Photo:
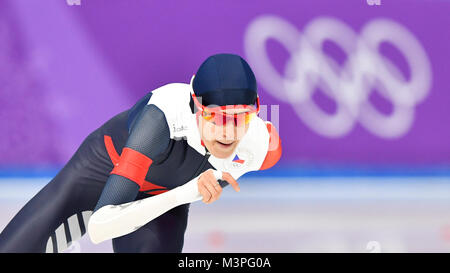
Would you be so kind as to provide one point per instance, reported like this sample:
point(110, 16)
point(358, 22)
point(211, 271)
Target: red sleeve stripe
point(132, 165)
point(150, 186)
point(111, 150)
point(157, 192)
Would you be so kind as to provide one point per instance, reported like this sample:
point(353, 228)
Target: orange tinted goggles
point(218, 117)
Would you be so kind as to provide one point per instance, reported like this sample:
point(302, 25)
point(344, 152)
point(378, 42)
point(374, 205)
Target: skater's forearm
point(117, 220)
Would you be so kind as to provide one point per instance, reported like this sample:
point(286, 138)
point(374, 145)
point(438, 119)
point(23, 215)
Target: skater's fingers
point(204, 192)
point(227, 177)
point(215, 193)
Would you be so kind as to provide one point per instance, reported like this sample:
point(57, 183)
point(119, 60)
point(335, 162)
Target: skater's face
point(222, 138)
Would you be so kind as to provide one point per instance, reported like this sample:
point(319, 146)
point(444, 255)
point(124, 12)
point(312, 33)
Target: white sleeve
point(112, 221)
point(173, 100)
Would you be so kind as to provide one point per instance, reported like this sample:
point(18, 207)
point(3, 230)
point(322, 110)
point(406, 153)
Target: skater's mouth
point(225, 144)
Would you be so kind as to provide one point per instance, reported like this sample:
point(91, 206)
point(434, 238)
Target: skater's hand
point(210, 189)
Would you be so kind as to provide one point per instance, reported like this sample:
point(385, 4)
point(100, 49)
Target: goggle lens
point(223, 118)
point(220, 118)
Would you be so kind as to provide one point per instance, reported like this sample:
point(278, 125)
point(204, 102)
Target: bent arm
point(149, 137)
point(112, 221)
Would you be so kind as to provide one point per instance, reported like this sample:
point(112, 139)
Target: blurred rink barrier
point(358, 90)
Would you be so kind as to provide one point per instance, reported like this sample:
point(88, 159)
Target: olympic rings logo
point(349, 84)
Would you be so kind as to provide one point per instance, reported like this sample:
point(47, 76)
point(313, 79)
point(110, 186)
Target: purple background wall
point(64, 70)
